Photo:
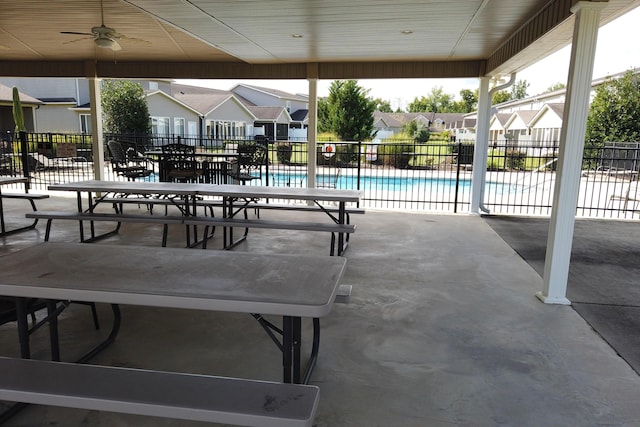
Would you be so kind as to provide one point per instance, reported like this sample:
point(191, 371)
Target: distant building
point(62, 105)
point(534, 122)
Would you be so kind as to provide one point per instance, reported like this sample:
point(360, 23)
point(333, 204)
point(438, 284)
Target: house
point(546, 126)
point(517, 127)
point(262, 96)
point(497, 127)
point(274, 122)
point(539, 127)
point(171, 116)
point(277, 126)
point(388, 124)
point(222, 115)
point(179, 110)
point(29, 106)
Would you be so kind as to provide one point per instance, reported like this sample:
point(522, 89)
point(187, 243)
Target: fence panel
point(402, 175)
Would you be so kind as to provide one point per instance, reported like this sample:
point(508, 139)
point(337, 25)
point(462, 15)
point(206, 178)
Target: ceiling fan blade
point(115, 46)
point(77, 40)
point(76, 33)
point(134, 40)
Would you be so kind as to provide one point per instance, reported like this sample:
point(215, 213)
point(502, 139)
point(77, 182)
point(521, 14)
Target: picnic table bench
point(159, 394)
point(31, 198)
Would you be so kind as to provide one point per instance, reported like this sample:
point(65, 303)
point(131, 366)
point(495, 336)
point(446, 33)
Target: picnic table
point(189, 196)
point(289, 286)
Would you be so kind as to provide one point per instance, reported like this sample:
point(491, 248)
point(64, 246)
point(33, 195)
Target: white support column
point(482, 145)
point(97, 145)
point(565, 197)
point(312, 127)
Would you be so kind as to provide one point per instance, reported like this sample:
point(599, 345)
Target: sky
point(613, 56)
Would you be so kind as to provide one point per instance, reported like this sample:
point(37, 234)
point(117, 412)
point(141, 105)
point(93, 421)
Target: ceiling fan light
point(104, 43)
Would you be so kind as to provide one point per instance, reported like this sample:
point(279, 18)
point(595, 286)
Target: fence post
point(24, 154)
point(359, 164)
point(455, 196)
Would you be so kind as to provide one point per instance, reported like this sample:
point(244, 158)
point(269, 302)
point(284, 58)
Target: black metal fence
point(402, 175)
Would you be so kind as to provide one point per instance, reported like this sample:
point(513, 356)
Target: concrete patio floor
point(443, 329)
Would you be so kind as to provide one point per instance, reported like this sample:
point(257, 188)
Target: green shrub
point(515, 159)
point(464, 152)
point(283, 150)
point(394, 154)
point(346, 153)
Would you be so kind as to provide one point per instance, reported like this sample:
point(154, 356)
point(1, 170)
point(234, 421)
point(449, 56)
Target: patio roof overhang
point(329, 39)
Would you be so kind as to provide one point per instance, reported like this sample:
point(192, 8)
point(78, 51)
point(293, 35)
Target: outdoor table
point(235, 198)
point(220, 159)
point(291, 286)
point(185, 193)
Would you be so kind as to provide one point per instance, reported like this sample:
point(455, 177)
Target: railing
point(399, 175)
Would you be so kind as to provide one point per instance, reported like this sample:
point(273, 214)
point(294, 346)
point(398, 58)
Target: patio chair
point(8, 314)
point(248, 164)
point(286, 180)
point(180, 164)
point(128, 162)
point(629, 195)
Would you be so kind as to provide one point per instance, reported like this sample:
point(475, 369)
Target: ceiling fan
point(103, 36)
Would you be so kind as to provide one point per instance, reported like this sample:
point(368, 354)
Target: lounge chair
point(629, 195)
point(42, 162)
point(328, 180)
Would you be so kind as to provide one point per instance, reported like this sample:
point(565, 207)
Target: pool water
point(380, 183)
point(388, 183)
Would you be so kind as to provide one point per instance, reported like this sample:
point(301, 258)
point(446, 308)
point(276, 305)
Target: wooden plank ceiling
point(284, 38)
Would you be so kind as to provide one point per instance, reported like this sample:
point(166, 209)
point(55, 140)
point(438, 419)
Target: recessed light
point(406, 32)
point(296, 36)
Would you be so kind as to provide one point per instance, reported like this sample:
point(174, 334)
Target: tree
point(555, 86)
point(518, 91)
point(500, 96)
point(418, 131)
point(350, 111)
point(469, 100)
point(18, 114)
point(383, 106)
point(124, 108)
point(436, 102)
point(324, 124)
point(613, 115)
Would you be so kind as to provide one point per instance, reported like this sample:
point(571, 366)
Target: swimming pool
point(387, 183)
point(409, 185)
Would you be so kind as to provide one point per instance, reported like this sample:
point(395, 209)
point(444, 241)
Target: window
point(160, 126)
point(240, 128)
point(193, 129)
point(178, 126)
point(153, 85)
point(85, 123)
point(288, 106)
